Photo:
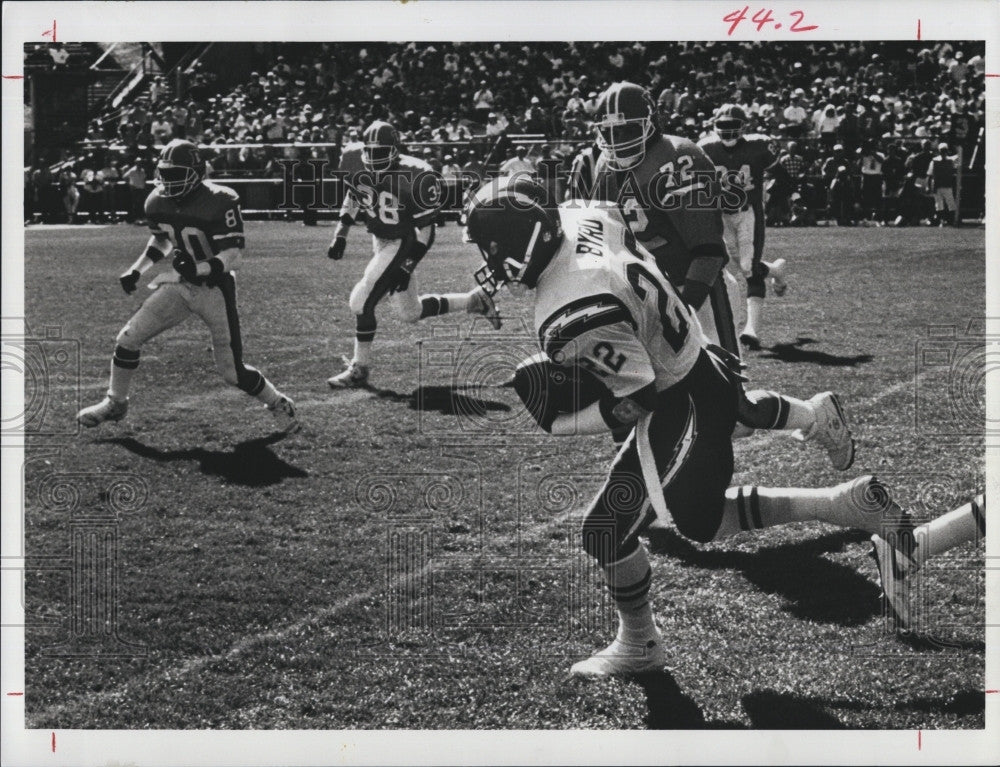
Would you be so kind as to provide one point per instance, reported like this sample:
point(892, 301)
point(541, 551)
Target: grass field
point(410, 558)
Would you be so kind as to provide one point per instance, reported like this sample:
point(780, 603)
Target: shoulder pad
point(218, 190)
point(409, 161)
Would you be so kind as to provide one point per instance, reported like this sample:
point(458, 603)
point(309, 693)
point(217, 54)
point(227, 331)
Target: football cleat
point(895, 570)
point(622, 659)
point(355, 376)
point(831, 430)
point(482, 303)
point(750, 341)
point(284, 414)
point(869, 506)
point(777, 274)
point(107, 409)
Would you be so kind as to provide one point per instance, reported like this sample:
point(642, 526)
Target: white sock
point(755, 306)
point(628, 582)
point(966, 523)
point(749, 507)
point(124, 363)
point(801, 414)
point(269, 395)
point(362, 352)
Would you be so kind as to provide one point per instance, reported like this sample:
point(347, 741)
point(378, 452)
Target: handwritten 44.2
point(765, 16)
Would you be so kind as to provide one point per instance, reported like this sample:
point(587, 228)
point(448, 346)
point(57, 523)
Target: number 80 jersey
point(602, 304)
point(202, 224)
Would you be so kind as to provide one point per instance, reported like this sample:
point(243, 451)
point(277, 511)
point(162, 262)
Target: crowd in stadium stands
point(853, 123)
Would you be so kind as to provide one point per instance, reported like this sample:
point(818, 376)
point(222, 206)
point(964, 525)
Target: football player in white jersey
point(608, 318)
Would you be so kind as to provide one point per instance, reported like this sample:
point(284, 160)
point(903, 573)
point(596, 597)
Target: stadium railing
point(274, 197)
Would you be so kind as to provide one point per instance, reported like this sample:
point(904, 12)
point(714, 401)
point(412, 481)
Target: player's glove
point(129, 281)
point(337, 248)
point(185, 266)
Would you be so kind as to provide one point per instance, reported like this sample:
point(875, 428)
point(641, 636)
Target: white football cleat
point(482, 303)
point(622, 659)
point(831, 430)
point(284, 414)
point(895, 568)
point(107, 409)
point(355, 376)
point(777, 273)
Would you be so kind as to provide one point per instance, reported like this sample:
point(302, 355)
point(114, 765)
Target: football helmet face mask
point(516, 235)
point(180, 169)
point(381, 150)
point(626, 123)
point(729, 122)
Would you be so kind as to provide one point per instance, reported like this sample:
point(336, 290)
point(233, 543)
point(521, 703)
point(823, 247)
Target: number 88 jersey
point(202, 224)
point(602, 304)
point(396, 201)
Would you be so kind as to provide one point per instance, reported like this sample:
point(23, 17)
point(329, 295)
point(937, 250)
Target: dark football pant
point(689, 437)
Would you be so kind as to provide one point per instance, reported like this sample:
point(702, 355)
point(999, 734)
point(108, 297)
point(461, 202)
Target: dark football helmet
point(625, 123)
point(180, 169)
point(729, 122)
point(381, 150)
point(516, 234)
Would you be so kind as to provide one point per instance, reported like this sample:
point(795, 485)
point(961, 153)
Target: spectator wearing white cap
point(495, 124)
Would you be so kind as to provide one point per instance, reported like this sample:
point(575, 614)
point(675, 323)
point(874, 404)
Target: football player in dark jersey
point(608, 319)
point(665, 187)
point(197, 224)
point(399, 197)
point(741, 160)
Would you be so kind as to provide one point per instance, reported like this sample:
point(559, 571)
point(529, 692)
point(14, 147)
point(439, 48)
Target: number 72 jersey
point(602, 304)
point(202, 224)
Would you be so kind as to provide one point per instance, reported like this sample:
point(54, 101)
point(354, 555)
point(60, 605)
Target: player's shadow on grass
point(778, 711)
point(813, 587)
point(447, 400)
point(794, 352)
point(769, 710)
point(251, 463)
point(669, 708)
